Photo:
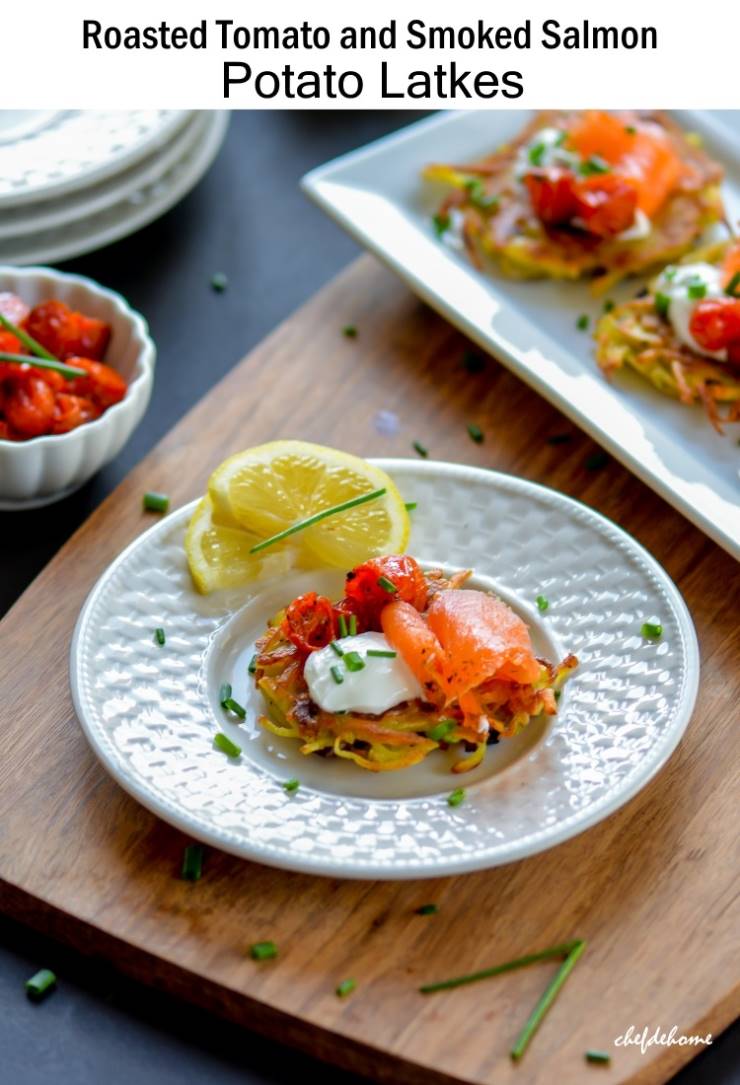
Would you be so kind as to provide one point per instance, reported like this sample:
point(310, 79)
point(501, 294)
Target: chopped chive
point(224, 694)
point(597, 461)
point(219, 282)
point(558, 693)
point(381, 653)
point(441, 730)
point(456, 797)
point(473, 362)
point(156, 502)
point(563, 950)
point(30, 343)
point(478, 195)
point(594, 164)
point(419, 448)
point(536, 153)
point(582, 322)
point(630, 129)
point(343, 626)
point(542, 603)
point(562, 136)
point(349, 331)
point(608, 305)
point(560, 438)
point(441, 224)
point(252, 664)
point(40, 984)
point(68, 371)
point(551, 992)
point(602, 1057)
point(336, 675)
point(428, 909)
point(336, 648)
point(318, 516)
point(410, 506)
point(263, 951)
point(670, 272)
point(662, 304)
point(192, 863)
point(291, 785)
point(475, 433)
point(733, 286)
point(387, 585)
point(697, 290)
point(652, 631)
point(233, 706)
point(159, 636)
point(346, 987)
point(223, 743)
point(353, 625)
point(353, 661)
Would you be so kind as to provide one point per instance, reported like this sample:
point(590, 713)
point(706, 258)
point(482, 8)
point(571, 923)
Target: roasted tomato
point(29, 406)
point(378, 581)
point(71, 412)
point(103, 385)
point(309, 622)
point(10, 343)
point(66, 333)
point(603, 204)
point(715, 323)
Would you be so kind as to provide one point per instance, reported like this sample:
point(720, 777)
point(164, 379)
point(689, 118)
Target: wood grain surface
point(650, 889)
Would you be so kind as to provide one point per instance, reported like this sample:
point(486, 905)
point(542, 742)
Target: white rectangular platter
point(376, 193)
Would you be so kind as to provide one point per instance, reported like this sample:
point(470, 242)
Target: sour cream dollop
point(382, 683)
point(674, 284)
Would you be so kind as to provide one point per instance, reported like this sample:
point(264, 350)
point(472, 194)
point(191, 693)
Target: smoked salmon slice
point(481, 639)
point(639, 154)
point(410, 635)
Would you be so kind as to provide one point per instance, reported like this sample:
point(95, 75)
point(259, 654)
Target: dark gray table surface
point(248, 219)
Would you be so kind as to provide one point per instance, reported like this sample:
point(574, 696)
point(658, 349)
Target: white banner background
point(695, 64)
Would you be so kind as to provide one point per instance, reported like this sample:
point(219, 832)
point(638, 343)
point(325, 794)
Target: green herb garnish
point(428, 909)
point(159, 636)
point(233, 706)
point(478, 195)
point(697, 289)
point(381, 653)
point(40, 984)
point(536, 153)
point(343, 626)
point(353, 661)
point(336, 675)
point(263, 951)
point(542, 603)
point(156, 502)
point(419, 447)
point(594, 164)
point(219, 282)
point(223, 743)
point(291, 785)
point(336, 648)
point(317, 517)
point(475, 433)
point(602, 1057)
point(441, 730)
point(33, 345)
point(192, 863)
point(733, 287)
point(353, 625)
point(582, 322)
point(456, 797)
point(652, 631)
point(387, 585)
point(252, 664)
point(349, 331)
point(441, 224)
point(630, 129)
point(410, 506)
point(346, 987)
point(662, 304)
point(608, 305)
point(224, 693)
point(68, 371)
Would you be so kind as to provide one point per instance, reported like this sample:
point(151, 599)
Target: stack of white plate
point(74, 181)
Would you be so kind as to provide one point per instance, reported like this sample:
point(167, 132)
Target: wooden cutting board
point(650, 889)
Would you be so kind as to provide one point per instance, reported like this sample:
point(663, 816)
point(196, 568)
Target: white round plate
point(151, 712)
point(29, 219)
point(47, 153)
point(137, 210)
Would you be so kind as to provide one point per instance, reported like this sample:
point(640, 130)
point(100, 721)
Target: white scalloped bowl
point(45, 469)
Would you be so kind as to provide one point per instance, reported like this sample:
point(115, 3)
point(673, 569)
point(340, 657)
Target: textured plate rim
point(571, 827)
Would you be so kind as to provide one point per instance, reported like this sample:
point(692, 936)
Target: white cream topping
point(381, 684)
point(674, 284)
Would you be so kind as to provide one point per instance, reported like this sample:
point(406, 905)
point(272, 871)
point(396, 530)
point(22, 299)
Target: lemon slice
point(218, 554)
point(271, 487)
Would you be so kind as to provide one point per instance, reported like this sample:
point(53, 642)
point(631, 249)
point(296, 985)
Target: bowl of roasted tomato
point(76, 375)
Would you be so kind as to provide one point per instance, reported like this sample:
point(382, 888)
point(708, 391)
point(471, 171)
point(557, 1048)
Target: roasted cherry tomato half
point(29, 406)
point(376, 582)
point(715, 323)
point(103, 385)
point(309, 622)
point(66, 333)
